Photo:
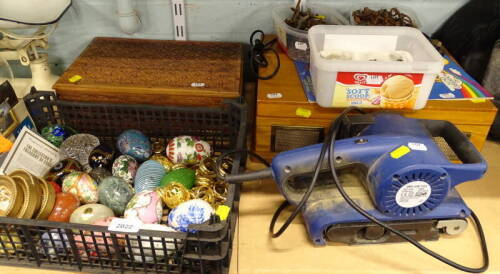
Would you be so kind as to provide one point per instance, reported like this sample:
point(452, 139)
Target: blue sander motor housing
point(404, 173)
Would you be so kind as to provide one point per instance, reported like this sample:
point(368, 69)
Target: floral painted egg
point(87, 214)
point(191, 212)
point(115, 193)
point(157, 244)
point(61, 169)
point(187, 150)
point(79, 147)
point(82, 185)
point(102, 156)
point(146, 207)
point(148, 176)
point(125, 167)
point(134, 143)
point(56, 134)
point(99, 173)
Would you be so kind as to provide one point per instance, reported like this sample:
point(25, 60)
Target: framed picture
point(8, 121)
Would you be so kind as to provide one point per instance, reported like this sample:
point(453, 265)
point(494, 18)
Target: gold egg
point(173, 194)
point(164, 161)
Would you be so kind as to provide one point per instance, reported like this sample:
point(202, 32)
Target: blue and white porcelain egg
point(134, 143)
point(191, 212)
point(148, 176)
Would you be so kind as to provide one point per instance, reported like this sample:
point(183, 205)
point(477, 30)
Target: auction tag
point(300, 45)
point(125, 225)
point(223, 212)
point(417, 146)
point(32, 153)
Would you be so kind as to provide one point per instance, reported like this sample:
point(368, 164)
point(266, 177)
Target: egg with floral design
point(81, 185)
point(187, 150)
point(191, 212)
point(146, 207)
point(125, 167)
point(134, 143)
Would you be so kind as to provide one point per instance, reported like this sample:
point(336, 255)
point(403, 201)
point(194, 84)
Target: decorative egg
point(164, 161)
point(99, 240)
point(53, 244)
point(125, 167)
point(191, 212)
point(99, 173)
point(79, 147)
point(61, 169)
point(115, 193)
point(65, 204)
point(187, 150)
point(102, 156)
point(183, 176)
point(56, 134)
point(134, 143)
point(82, 185)
point(148, 176)
point(157, 244)
point(87, 214)
point(57, 188)
point(145, 207)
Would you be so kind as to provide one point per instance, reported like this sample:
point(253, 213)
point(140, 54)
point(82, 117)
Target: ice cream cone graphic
point(397, 92)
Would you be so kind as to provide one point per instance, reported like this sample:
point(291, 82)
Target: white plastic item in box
point(294, 41)
point(372, 84)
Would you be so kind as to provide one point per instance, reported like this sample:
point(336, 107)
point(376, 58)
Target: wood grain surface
point(154, 72)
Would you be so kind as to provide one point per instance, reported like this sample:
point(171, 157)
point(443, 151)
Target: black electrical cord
point(257, 54)
point(367, 215)
point(328, 147)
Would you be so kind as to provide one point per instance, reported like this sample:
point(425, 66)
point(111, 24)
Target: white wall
point(221, 20)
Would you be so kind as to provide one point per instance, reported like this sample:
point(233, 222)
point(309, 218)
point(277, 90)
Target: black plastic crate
point(34, 243)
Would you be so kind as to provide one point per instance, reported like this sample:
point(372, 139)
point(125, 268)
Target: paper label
point(417, 146)
point(377, 90)
point(125, 225)
point(413, 194)
point(32, 153)
point(198, 85)
point(274, 95)
point(300, 45)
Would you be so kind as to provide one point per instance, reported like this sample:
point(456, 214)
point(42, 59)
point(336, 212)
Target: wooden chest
point(155, 72)
point(280, 127)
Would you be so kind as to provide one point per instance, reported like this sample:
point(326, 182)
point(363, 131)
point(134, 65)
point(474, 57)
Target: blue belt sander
point(393, 168)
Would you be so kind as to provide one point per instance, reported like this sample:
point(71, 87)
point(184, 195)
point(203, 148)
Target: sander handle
point(473, 164)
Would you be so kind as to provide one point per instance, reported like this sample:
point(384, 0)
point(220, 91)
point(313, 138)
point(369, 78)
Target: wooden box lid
point(153, 71)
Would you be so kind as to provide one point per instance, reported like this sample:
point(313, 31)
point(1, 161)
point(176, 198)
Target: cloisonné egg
point(187, 150)
point(146, 207)
point(115, 193)
point(82, 185)
point(125, 167)
point(191, 212)
point(134, 143)
point(99, 173)
point(102, 156)
point(61, 169)
point(148, 176)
